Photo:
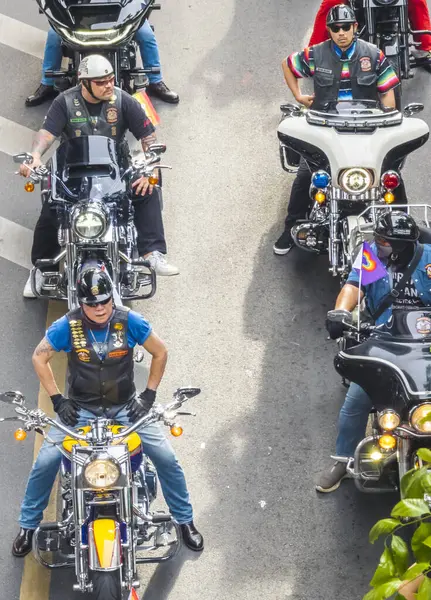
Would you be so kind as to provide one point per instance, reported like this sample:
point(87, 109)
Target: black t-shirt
point(133, 114)
point(409, 295)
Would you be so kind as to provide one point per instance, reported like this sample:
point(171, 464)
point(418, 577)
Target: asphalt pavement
point(244, 325)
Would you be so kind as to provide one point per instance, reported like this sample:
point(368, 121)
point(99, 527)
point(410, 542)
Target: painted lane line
point(36, 580)
point(15, 243)
point(21, 36)
point(15, 138)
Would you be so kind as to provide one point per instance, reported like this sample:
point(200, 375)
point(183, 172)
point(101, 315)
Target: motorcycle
point(88, 190)
point(392, 363)
point(355, 152)
point(95, 27)
point(385, 23)
point(107, 487)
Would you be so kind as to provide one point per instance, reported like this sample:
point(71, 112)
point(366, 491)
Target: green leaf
point(414, 571)
point(422, 553)
point(400, 554)
point(412, 483)
point(424, 454)
point(410, 508)
point(427, 542)
point(383, 527)
point(384, 591)
point(386, 569)
point(424, 592)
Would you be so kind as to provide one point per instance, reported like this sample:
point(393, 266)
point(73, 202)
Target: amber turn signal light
point(176, 430)
point(389, 197)
point(20, 435)
point(153, 180)
point(320, 197)
point(29, 186)
point(387, 442)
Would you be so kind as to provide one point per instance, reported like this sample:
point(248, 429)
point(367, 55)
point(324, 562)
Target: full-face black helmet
point(94, 286)
point(340, 14)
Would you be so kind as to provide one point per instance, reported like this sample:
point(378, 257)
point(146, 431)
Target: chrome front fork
point(334, 241)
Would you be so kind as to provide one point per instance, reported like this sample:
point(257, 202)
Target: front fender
point(104, 545)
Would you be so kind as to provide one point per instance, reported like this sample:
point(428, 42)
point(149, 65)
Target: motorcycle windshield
point(94, 14)
point(86, 167)
point(349, 114)
point(397, 356)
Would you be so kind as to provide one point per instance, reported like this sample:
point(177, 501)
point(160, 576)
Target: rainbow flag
point(145, 102)
point(371, 267)
point(133, 595)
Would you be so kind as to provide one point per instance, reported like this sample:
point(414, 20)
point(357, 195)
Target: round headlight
point(89, 221)
point(421, 418)
point(388, 420)
point(102, 473)
point(356, 180)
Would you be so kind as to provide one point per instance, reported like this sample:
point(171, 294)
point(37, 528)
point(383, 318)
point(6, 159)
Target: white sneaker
point(159, 263)
point(28, 292)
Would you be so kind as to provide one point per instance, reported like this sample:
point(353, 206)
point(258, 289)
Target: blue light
point(321, 179)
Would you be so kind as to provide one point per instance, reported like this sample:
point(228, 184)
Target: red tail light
point(391, 180)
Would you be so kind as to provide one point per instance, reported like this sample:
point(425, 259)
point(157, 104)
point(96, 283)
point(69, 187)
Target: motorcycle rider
point(99, 339)
point(395, 242)
point(147, 43)
point(418, 15)
point(96, 107)
point(337, 67)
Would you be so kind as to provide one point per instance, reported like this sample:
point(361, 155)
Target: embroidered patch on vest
point(114, 131)
point(78, 337)
point(423, 325)
point(428, 270)
point(118, 326)
point(83, 354)
point(118, 339)
point(322, 70)
point(365, 63)
point(78, 132)
point(117, 353)
point(112, 115)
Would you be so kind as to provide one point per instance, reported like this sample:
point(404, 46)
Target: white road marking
point(15, 243)
point(21, 36)
point(14, 138)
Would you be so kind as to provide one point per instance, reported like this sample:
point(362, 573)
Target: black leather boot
point(22, 543)
point(160, 90)
point(191, 537)
point(43, 93)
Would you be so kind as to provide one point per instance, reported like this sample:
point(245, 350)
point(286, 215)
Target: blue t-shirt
point(60, 338)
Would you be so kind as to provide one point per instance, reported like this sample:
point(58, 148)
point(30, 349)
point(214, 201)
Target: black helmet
point(340, 14)
point(94, 286)
point(396, 226)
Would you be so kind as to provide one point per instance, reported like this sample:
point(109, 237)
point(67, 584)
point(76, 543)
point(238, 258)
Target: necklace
point(101, 348)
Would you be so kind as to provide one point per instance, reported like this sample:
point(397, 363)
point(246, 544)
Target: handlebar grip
point(161, 519)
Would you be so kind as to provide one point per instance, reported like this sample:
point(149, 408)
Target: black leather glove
point(334, 322)
point(141, 405)
point(66, 409)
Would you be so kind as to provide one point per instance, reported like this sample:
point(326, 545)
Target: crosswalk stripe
point(21, 36)
point(15, 243)
point(14, 138)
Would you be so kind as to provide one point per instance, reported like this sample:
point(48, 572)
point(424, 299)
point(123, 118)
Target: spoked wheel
point(107, 586)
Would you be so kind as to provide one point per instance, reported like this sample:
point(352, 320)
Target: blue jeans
point(352, 421)
point(145, 39)
point(156, 447)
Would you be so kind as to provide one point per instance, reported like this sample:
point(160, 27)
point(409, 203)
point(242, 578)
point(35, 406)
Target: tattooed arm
point(41, 357)
point(148, 140)
point(43, 140)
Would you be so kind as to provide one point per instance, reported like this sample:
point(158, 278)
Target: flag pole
point(359, 289)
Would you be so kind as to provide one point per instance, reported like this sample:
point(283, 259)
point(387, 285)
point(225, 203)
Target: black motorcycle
point(385, 23)
point(99, 27)
point(392, 363)
point(89, 190)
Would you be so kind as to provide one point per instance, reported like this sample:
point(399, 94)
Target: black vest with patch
point(100, 383)
point(110, 123)
point(328, 68)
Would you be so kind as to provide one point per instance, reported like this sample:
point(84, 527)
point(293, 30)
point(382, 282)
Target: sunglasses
point(337, 28)
point(104, 82)
point(95, 304)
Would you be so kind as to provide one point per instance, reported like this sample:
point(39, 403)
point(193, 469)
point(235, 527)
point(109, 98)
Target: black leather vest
point(97, 383)
point(328, 67)
point(110, 123)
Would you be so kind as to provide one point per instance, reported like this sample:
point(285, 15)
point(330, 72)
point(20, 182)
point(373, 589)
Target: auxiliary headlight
point(102, 473)
point(89, 222)
point(356, 180)
point(418, 417)
point(101, 37)
point(388, 420)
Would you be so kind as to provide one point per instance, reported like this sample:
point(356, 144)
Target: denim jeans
point(156, 447)
point(352, 420)
point(145, 39)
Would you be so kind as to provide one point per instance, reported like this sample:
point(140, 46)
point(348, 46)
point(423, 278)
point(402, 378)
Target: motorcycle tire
point(107, 586)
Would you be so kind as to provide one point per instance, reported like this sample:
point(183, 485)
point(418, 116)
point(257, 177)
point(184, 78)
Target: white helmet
point(94, 66)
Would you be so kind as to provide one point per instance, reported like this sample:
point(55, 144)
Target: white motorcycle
point(355, 152)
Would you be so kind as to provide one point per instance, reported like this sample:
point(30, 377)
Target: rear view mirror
point(413, 108)
point(188, 392)
point(12, 398)
point(23, 157)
